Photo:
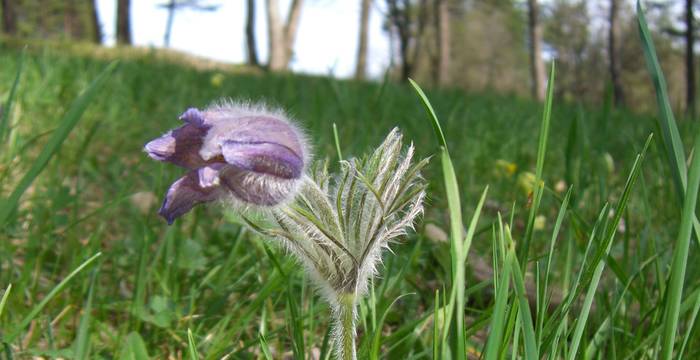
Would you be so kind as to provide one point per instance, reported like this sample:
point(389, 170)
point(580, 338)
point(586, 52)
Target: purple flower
point(233, 151)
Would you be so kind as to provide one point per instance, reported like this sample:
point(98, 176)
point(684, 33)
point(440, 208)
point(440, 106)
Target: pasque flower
point(336, 225)
point(247, 154)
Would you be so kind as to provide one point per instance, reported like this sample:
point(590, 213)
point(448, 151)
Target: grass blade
point(436, 325)
point(582, 318)
point(5, 296)
point(7, 109)
point(472, 224)
point(457, 252)
point(667, 122)
point(602, 253)
point(556, 325)
point(376, 344)
point(603, 332)
point(134, 348)
point(680, 256)
point(337, 142)
point(191, 346)
point(297, 322)
point(265, 347)
point(55, 291)
point(531, 351)
point(691, 325)
point(542, 310)
point(431, 113)
point(82, 341)
point(498, 323)
point(70, 119)
point(539, 184)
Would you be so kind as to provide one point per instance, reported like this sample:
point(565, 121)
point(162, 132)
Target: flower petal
point(225, 127)
point(193, 116)
point(263, 157)
point(198, 186)
point(161, 148)
point(268, 129)
point(180, 146)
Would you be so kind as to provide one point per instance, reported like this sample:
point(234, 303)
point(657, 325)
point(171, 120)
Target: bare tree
point(409, 31)
point(290, 30)
point(123, 22)
point(173, 6)
point(361, 64)
point(442, 33)
point(282, 34)
point(689, 58)
point(614, 62)
point(537, 73)
point(170, 6)
point(251, 44)
point(275, 30)
point(688, 35)
point(9, 16)
point(95, 19)
point(399, 20)
point(422, 21)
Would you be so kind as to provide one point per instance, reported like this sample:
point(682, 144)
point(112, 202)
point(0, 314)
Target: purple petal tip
point(193, 116)
point(169, 218)
point(161, 148)
point(184, 194)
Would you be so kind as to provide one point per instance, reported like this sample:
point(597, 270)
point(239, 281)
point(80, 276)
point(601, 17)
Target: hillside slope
point(101, 192)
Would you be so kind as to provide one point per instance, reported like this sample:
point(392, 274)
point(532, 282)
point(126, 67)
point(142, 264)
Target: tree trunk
point(290, 29)
point(406, 68)
point(281, 35)
point(442, 27)
point(361, 64)
point(71, 21)
point(417, 41)
point(399, 18)
point(9, 17)
point(250, 34)
point(536, 64)
point(275, 37)
point(392, 48)
point(123, 22)
point(95, 19)
point(689, 59)
point(613, 37)
point(169, 23)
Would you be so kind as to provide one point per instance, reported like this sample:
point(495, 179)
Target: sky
point(326, 40)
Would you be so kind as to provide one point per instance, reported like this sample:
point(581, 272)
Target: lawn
point(241, 297)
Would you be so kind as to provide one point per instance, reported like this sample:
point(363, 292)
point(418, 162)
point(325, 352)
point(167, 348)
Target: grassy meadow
point(96, 274)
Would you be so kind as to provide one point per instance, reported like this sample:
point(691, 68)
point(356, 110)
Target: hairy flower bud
point(249, 154)
point(339, 225)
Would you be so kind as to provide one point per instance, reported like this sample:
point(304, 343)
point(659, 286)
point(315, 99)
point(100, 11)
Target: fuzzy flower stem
point(345, 320)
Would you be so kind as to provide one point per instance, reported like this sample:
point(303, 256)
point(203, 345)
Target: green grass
point(74, 183)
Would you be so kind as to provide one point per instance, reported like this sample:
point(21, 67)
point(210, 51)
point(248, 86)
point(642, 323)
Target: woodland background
point(478, 45)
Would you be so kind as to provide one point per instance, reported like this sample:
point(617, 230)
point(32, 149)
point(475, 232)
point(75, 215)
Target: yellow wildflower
point(505, 168)
point(526, 182)
point(217, 79)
